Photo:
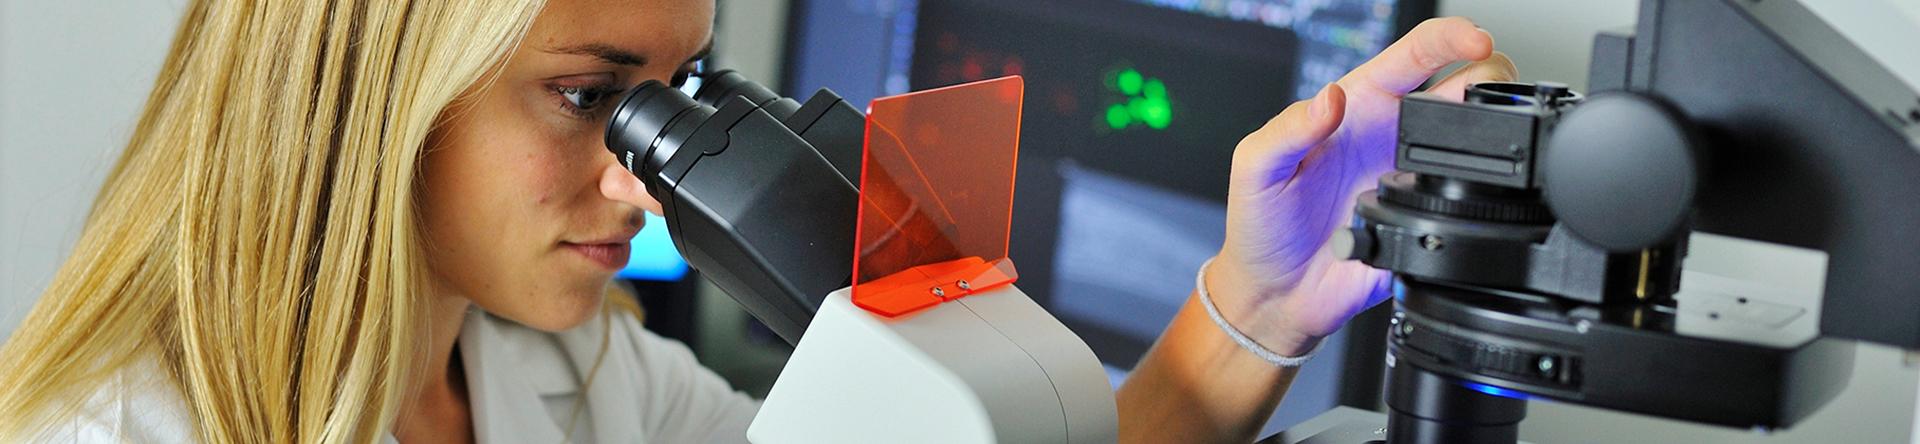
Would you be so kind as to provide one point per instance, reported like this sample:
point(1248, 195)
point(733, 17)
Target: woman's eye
point(584, 99)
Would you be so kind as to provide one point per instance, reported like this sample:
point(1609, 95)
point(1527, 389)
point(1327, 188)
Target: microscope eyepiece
point(724, 84)
point(651, 123)
point(753, 204)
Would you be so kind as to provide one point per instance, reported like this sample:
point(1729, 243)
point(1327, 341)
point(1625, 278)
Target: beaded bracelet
point(1200, 286)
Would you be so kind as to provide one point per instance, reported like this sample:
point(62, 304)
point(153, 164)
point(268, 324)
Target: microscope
point(1536, 234)
point(898, 297)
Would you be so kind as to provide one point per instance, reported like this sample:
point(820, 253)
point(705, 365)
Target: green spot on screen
point(1129, 82)
point(1145, 102)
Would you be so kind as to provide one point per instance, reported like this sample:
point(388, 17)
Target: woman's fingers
point(1271, 155)
point(1496, 68)
point(1419, 55)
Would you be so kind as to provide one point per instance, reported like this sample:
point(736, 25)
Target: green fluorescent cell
point(1157, 113)
point(1117, 116)
point(1129, 82)
point(1154, 89)
point(1146, 102)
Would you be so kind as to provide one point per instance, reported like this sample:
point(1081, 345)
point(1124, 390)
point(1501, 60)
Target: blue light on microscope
point(1496, 391)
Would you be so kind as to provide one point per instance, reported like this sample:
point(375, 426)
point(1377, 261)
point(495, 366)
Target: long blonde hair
point(259, 235)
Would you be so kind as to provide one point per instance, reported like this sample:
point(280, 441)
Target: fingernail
point(1318, 108)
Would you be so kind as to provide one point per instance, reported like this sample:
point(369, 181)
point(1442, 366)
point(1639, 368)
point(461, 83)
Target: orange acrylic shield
point(936, 196)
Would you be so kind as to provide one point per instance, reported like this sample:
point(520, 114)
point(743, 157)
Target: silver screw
point(1545, 365)
point(963, 285)
point(939, 292)
point(1430, 242)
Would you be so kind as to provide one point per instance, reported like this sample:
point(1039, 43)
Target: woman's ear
point(618, 184)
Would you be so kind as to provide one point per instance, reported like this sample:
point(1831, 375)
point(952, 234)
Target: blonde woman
point(354, 221)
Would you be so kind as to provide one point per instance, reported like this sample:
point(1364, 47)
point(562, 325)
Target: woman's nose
point(618, 184)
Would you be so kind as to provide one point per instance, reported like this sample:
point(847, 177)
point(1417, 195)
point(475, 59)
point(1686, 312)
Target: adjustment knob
point(1620, 171)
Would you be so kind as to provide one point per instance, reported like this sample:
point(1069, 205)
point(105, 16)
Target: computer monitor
point(653, 256)
point(1133, 110)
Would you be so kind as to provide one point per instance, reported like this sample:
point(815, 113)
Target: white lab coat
point(522, 385)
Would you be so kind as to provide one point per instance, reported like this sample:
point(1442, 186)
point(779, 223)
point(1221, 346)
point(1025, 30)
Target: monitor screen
point(1133, 110)
point(653, 257)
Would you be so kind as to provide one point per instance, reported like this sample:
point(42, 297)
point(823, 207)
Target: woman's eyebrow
point(604, 52)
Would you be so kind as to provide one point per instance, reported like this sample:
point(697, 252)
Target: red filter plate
point(936, 196)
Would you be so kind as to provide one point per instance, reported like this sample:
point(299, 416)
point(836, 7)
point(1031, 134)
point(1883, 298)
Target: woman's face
point(526, 212)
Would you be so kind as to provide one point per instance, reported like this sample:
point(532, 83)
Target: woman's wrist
point(1256, 313)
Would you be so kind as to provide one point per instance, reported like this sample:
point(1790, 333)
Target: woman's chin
point(560, 313)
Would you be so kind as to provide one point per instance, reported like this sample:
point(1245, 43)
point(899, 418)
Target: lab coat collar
point(513, 372)
point(507, 375)
point(613, 404)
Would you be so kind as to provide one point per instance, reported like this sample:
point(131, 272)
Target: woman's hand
point(1294, 183)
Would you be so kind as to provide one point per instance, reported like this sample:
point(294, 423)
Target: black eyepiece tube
point(725, 84)
point(635, 132)
point(829, 124)
point(749, 203)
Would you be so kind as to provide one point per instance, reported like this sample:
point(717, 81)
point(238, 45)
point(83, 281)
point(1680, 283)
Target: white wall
point(73, 76)
point(1547, 40)
point(1552, 40)
point(750, 38)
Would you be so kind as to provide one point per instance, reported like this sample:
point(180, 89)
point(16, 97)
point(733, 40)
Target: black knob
point(1620, 171)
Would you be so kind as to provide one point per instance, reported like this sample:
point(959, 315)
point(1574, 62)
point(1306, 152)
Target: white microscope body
point(993, 367)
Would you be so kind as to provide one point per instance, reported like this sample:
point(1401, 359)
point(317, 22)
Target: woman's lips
point(613, 256)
